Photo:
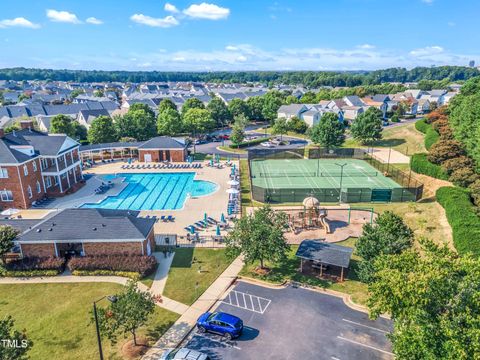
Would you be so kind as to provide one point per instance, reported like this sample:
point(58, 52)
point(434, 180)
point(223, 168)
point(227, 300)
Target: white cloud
point(429, 2)
point(241, 58)
point(165, 22)
point(94, 21)
point(18, 22)
point(171, 8)
point(63, 16)
point(179, 59)
point(231, 48)
point(427, 51)
point(207, 11)
point(366, 46)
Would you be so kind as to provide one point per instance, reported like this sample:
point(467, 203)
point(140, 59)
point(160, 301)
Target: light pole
point(99, 339)
point(341, 181)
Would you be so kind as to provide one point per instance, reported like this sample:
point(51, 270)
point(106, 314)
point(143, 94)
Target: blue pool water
point(155, 191)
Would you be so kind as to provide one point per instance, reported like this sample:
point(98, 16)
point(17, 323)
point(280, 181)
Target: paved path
point(160, 279)
point(187, 321)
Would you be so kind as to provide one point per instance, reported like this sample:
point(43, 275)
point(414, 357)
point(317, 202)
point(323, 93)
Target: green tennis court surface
point(322, 174)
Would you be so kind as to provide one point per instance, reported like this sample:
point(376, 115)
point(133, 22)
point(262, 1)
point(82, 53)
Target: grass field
point(184, 273)
point(288, 270)
point(57, 319)
point(321, 174)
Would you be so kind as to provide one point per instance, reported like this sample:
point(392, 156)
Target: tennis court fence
point(315, 174)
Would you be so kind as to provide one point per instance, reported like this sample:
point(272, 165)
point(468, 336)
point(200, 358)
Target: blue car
point(220, 323)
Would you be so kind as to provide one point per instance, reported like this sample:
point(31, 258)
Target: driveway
point(295, 323)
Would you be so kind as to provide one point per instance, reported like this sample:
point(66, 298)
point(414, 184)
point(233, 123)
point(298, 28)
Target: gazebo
point(310, 210)
point(319, 255)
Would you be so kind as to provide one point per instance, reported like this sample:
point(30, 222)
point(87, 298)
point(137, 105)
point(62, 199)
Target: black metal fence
point(410, 190)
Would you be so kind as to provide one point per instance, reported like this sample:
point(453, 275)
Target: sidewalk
point(160, 279)
point(187, 321)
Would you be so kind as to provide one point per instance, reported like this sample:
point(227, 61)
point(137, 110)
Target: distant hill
point(307, 78)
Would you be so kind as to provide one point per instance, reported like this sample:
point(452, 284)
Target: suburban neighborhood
point(198, 181)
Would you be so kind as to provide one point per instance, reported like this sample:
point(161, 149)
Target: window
point(34, 166)
point(56, 180)
point(6, 195)
point(3, 173)
point(25, 170)
point(29, 192)
point(39, 188)
point(49, 182)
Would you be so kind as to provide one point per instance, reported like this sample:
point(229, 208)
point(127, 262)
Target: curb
point(230, 152)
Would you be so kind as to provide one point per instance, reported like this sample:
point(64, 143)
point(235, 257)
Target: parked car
point(183, 354)
point(267, 144)
point(224, 137)
point(220, 323)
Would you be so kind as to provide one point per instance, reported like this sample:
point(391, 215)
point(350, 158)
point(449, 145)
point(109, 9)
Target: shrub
point(127, 274)
point(143, 265)
point(297, 125)
point(27, 273)
point(422, 126)
point(37, 263)
point(444, 150)
point(475, 192)
point(464, 177)
point(462, 217)
point(420, 164)
point(461, 162)
point(431, 137)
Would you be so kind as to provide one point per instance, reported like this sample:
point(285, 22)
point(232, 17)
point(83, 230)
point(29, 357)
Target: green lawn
point(57, 319)
point(288, 270)
point(232, 150)
point(184, 273)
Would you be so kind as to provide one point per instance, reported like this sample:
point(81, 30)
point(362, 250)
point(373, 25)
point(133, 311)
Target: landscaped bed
point(192, 266)
point(289, 271)
point(57, 319)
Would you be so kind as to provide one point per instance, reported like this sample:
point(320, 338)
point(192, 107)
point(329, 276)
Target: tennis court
point(318, 173)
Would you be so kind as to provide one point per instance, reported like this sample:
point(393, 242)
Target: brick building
point(84, 232)
point(34, 165)
point(162, 148)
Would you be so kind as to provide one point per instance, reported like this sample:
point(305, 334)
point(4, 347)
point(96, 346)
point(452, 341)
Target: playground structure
point(332, 223)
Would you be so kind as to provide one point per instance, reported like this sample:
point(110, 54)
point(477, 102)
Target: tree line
point(310, 79)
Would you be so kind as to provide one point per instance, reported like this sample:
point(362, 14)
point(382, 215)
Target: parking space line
point(366, 326)
point(218, 341)
point(236, 301)
point(365, 345)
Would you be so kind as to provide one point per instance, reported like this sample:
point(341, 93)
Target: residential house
point(292, 110)
point(85, 117)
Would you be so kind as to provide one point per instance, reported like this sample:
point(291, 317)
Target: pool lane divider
point(160, 193)
point(171, 192)
point(181, 192)
point(156, 183)
point(141, 188)
point(130, 192)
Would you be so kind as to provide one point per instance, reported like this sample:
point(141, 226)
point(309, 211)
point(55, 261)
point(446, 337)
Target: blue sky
point(238, 34)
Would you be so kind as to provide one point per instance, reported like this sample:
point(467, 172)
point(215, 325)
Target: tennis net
point(315, 174)
point(286, 174)
point(349, 174)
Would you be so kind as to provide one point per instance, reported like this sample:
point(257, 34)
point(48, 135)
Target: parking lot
point(295, 323)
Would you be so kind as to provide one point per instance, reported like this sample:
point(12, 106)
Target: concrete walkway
point(187, 321)
point(160, 279)
point(166, 303)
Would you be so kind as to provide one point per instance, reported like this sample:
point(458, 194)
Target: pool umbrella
point(232, 191)
point(222, 218)
point(233, 182)
point(192, 230)
point(218, 230)
point(10, 212)
point(205, 218)
point(232, 172)
point(234, 167)
point(211, 162)
point(229, 212)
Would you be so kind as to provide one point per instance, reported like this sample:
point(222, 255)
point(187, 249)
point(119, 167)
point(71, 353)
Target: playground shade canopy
point(325, 253)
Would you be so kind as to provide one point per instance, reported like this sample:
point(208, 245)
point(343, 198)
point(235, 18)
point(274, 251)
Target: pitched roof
point(90, 224)
point(162, 142)
point(325, 253)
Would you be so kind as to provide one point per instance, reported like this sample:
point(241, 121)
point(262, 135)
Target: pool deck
point(194, 208)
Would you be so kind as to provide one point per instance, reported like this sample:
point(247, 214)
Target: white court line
point(365, 345)
point(366, 326)
point(218, 341)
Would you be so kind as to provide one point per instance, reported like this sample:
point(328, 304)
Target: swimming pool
point(155, 191)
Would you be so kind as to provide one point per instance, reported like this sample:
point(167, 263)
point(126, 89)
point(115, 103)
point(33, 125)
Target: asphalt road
point(295, 323)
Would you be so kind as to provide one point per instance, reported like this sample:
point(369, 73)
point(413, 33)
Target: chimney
point(2, 133)
point(26, 124)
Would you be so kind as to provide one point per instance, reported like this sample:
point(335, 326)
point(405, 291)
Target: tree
point(79, 131)
point(219, 111)
point(259, 237)
point(255, 107)
point(7, 235)
point(272, 102)
point(280, 127)
point(388, 235)
point(14, 344)
point(464, 176)
point(238, 107)
point(444, 150)
point(431, 294)
point(198, 121)
point(166, 104)
point(192, 103)
point(169, 122)
point(125, 126)
point(297, 125)
point(127, 313)
point(102, 130)
point(145, 124)
point(98, 93)
point(144, 107)
point(238, 130)
point(76, 92)
point(61, 124)
point(328, 132)
point(367, 127)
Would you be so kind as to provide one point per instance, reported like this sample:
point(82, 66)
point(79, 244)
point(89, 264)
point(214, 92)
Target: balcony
point(62, 165)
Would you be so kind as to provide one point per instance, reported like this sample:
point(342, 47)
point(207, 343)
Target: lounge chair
point(212, 220)
point(162, 217)
point(170, 218)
